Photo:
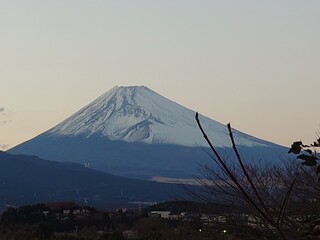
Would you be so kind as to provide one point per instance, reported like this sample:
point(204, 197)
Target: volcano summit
point(135, 132)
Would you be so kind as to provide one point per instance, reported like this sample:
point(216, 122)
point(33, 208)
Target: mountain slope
point(137, 114)
point(29, 179)
point(133, 131)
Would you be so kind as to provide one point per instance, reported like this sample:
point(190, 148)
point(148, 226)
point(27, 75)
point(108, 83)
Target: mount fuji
point(135, 132)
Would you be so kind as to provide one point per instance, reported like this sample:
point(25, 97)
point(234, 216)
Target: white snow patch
point(138, 114)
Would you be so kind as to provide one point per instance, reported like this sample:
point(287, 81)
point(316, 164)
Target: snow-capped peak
point(138, 114)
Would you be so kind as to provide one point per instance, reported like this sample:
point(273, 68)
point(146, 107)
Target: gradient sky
point(252, 63)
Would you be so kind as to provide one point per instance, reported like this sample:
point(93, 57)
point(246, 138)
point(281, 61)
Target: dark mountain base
point(138, 160)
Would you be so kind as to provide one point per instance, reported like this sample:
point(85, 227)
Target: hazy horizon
point(250, 63)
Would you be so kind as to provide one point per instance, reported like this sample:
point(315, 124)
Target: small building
point(66, 212)
point(162, 214)
point(45, 213)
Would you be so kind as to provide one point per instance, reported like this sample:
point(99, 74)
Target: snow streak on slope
point(138, 114)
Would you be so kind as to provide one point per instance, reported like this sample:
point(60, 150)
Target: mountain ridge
point(135, 132)
point(137, 113)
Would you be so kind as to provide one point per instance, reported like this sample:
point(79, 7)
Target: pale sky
point(252, 63)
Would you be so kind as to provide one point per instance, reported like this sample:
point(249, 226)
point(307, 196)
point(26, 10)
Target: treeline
point(69, 221)
point(187, 221)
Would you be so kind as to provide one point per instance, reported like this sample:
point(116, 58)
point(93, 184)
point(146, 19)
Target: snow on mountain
point(138, 114)
point(135, 132)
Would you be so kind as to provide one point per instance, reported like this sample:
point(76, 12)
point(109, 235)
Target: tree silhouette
point(307, 153)
point(253, 185)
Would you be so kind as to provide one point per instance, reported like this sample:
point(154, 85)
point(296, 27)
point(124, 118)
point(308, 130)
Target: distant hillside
point(29, 179)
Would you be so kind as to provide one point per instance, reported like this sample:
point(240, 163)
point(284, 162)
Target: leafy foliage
point(296, 147)
point(307, 153)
